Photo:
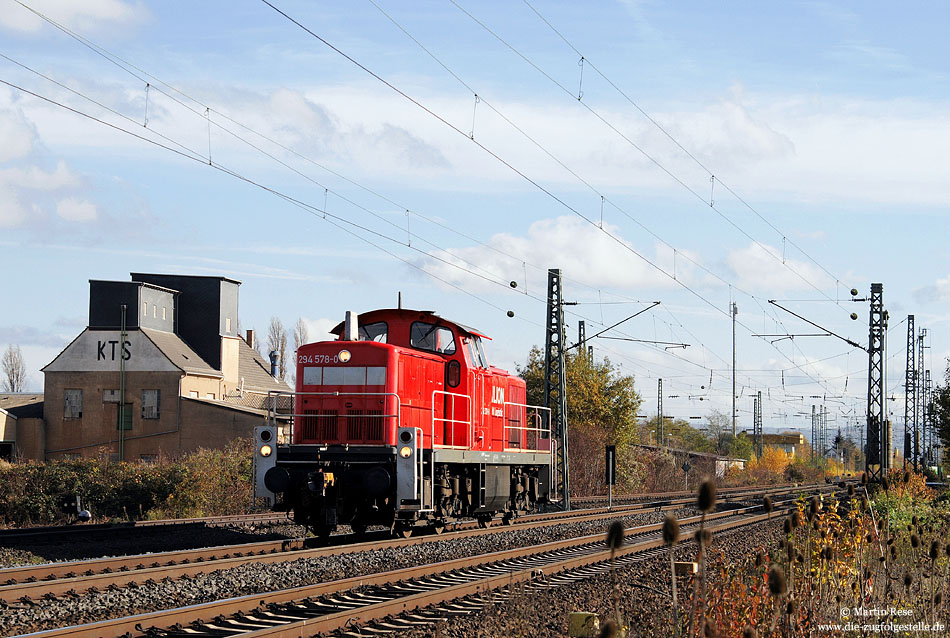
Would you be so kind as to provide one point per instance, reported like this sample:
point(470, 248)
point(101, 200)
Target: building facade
point(159, 370)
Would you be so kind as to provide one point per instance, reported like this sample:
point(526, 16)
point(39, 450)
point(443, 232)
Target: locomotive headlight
point(266, 450)
point(344, 355)
point(405, 451)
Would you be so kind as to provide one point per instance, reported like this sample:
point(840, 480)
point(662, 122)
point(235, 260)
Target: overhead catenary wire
point(403, 243)
point(492, 153)
point(676, 142)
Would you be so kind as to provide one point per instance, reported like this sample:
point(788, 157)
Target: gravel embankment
point(255, 577)
point(646, 612)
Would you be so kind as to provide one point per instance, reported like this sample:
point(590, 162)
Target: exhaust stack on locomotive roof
point(351, 327)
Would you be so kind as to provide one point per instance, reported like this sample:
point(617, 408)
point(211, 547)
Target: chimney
point(250, 337)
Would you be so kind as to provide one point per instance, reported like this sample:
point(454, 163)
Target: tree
point(300, 334)
point(602, 407)
point(740, 447)
point(277, 342)
point(14, 370)
point(941, 411)
point(719, 427)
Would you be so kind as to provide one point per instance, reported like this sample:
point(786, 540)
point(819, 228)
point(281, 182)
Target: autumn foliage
point(204, 483)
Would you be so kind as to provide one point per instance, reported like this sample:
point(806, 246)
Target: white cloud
point(939, 291)
point(319, 329)
point(17, 136)
point(87, 15)
point(17, 207)
point(760, 267)
point(75, 210)
point(590, 255)
point(12, 212)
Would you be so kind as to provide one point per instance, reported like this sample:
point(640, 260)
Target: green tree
point(740, 447)
point(941, 412)
point(602, 405)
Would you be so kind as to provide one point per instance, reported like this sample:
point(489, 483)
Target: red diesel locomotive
point(403, 422)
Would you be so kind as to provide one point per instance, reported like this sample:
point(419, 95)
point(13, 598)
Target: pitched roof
point(23, 405)
point(180, 353)
point(255, 371)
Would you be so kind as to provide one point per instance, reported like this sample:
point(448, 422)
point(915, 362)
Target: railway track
point(76, 577)
point(56, 533)
point(60, 533)
point(332, 606)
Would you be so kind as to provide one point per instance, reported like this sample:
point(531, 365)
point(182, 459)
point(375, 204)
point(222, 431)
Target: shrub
point(204, 483)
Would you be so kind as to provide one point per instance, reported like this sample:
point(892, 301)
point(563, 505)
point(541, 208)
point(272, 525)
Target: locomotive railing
point(276, 406)
point(448, 407)
point(532, 435)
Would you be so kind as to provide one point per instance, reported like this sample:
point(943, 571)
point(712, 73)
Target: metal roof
point(179, 353)
point(255, 371)
point(23, 405)
point(338, 329)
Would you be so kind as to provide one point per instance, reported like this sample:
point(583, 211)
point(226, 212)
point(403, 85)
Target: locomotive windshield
point(431, 337)
point(377, 332)
point(476, 353)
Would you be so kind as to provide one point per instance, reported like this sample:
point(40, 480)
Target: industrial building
point(159, 370)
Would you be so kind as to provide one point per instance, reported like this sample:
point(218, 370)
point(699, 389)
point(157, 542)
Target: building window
point(72, 456)
point(144, 308)
point(227, 325)
point(72, 404)
point(151, 403)
point(110, 396)
point(149, 458)
point(209, 395)
point(163, 313)
point(154, 311)
point(193, 394)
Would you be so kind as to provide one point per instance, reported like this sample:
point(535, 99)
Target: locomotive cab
point(401, 421)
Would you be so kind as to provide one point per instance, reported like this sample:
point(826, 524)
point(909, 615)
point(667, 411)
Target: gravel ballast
point(253, 578)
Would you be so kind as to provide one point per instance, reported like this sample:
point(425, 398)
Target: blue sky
point(828, 120)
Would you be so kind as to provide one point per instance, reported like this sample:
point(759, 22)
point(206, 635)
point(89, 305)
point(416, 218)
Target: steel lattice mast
point(920, 409)
point(910, 396)
point(659, 412)
point(876, 449)
point(757, 424)
point(555, 380)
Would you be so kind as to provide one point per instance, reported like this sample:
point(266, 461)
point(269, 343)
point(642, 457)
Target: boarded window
point(149, 458)
point(110, 396)
point(151, 404)
point(124, 420)
point(72, 404)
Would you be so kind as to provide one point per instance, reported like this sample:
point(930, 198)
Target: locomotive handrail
point(273, 400)
point(539, 428)
point(445, 420)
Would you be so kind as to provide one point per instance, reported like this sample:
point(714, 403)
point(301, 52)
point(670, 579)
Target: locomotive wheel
point(359, 529)
point(484, 522)
point(508, 518)
point(438, 527)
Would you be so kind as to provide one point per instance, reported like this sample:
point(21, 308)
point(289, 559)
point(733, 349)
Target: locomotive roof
point(407, 314)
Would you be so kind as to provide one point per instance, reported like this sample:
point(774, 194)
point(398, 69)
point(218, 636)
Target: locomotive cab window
point(482, 359)
point(431, 337)
point(377, 332)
